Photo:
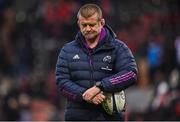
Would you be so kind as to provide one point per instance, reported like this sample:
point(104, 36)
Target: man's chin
point(90, 37)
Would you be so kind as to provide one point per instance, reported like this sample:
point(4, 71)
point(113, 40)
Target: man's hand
point(99, 98)
point(89, 94)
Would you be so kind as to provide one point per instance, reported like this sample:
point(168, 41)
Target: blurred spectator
point(7, 51)
point(177, 46)
point(155, 52)
point(10, 104)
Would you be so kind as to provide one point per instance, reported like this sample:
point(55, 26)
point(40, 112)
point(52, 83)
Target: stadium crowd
point(33, 31)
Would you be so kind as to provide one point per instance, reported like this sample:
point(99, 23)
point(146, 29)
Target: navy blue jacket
point(78, 68)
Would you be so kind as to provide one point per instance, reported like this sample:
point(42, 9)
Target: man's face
point(90, 27)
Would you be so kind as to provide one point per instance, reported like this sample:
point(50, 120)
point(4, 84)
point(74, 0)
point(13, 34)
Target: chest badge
point(107, 59)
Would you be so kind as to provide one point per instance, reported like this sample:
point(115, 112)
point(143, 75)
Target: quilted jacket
point(78, 68)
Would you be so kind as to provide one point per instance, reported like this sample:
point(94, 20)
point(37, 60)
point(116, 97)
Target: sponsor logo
point(75, 57)
point(106, 68)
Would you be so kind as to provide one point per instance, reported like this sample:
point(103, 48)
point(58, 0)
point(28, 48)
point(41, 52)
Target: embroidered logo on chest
point(107, 59)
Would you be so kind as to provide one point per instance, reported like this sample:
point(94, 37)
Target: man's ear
point(102, 21)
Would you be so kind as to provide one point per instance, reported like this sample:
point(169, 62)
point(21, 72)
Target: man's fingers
point(99, 98)
point(93, 95)
point(90, 93)
point(96, 101)
point(88, 96)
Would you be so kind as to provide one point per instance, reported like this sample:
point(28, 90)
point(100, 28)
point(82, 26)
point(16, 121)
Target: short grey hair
point(88, 10)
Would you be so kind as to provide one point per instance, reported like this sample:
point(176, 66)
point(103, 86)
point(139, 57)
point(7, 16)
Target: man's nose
point(88, 28)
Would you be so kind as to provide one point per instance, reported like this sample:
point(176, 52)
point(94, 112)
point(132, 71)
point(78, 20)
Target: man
point(94, 63)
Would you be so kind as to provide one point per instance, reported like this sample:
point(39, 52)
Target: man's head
point(90, 21)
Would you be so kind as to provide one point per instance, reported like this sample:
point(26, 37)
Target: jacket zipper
point(91, 68)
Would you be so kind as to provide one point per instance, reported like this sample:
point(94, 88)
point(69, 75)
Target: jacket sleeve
point(126, 71)
point(67, 87)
